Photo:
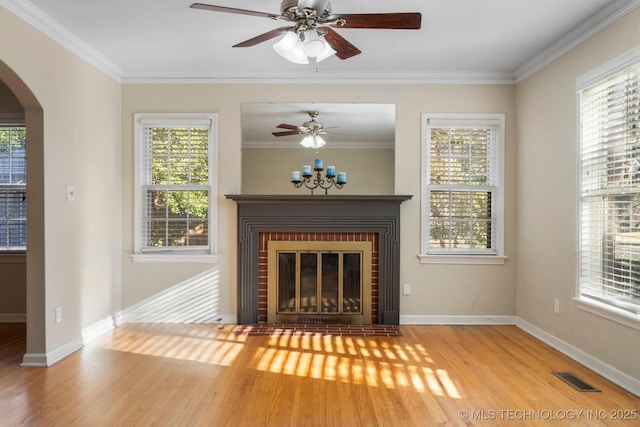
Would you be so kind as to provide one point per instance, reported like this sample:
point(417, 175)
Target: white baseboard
point(43, 360)
point(89, 333)
point(13, 317)
point(64, 351)
point(38, 360)
point(457, 320)
point(609, 372)
point(98, 329)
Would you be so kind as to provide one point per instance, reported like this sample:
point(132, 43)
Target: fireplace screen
point(325, 283)
point(317, 282)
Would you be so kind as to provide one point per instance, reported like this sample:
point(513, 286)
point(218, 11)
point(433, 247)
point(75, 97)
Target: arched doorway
point(36, 331)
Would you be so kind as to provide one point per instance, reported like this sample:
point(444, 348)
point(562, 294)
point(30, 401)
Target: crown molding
point(440, 77)
point(582, 32)
point(51, 28)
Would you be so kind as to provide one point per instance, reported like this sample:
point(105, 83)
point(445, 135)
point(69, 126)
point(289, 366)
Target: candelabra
point(332, 180)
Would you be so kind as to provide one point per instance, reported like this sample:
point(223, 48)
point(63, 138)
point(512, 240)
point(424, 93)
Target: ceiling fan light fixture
point(298, 48)
point(315, 17)
point(290, 48)
point(314, 45)
point(326, 53)
point(313, 141)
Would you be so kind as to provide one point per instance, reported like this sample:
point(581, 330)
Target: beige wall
point(437, 289)
point(268, 170)
point(547, 201)
point(73, 118)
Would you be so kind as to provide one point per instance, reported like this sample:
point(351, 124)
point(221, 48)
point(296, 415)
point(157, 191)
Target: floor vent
point(574, 381)
point(320, 319)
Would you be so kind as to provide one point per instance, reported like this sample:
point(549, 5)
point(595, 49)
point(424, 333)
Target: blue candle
point(306, 170)
point(318, 164)
point(295, 176)
point(331, 171)
point(342, 178)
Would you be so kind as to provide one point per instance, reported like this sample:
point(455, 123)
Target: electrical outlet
point(71, 193)
point(406, 289)
point(556, 306)
point(58, 314)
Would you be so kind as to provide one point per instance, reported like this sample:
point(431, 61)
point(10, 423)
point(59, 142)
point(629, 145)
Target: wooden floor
point(198, 375)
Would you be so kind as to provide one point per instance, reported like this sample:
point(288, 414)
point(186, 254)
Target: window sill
point(462, 259)
point(176, 258)
point(608, 312)
point(13, 258)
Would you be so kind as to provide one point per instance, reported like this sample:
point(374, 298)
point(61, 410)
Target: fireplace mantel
point(315, 199)
point(319, 213)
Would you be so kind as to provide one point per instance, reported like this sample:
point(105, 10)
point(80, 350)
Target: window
point(462, 212)
point(13, 188)
point(610, 188)
point(176, 186)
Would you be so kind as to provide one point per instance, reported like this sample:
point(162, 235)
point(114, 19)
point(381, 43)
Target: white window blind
point(610, 190)
point(13, 188)
point(462, 186)
point(175, 190)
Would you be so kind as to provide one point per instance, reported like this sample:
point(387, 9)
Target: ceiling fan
point(311, 129)
point(312, 34)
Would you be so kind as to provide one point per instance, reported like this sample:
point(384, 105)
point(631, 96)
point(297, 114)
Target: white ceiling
point(460, 40)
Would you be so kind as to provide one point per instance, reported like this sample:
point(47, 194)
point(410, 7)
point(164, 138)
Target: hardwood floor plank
point(199, 375)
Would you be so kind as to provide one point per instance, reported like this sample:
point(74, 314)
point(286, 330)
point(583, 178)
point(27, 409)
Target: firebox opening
point(319, 282)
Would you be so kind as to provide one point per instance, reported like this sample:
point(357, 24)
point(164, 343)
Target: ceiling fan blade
point(234, 10)
point(263, 37)
point(287, 133)
point(391, 21)
point(344, 49)
point(287, 126)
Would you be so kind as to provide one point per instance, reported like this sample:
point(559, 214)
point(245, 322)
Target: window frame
point(14, 255)
point(175, 254)
point(463, 120)
point(586, 301)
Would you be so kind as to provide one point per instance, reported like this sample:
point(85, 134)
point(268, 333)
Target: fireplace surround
point(259, 214)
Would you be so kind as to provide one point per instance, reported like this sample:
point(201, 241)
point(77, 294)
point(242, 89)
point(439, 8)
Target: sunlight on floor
point(374, 362)
point(382, 364)
point(196, 343)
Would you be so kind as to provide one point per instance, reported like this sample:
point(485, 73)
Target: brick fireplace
point(263, 218)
